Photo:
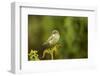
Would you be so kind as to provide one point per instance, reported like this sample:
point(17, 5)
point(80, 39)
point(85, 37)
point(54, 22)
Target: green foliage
point(51, 51)
point(33, 55)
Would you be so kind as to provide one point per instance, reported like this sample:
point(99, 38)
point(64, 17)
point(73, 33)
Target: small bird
point(53, 39)
point(51, 42)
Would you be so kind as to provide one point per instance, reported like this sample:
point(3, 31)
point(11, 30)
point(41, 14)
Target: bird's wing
point(50, 38)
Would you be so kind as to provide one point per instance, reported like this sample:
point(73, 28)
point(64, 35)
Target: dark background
point(73, 32)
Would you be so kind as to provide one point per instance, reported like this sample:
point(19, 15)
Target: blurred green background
point(73, 32)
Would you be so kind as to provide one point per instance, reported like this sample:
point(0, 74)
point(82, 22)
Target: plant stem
point(52, 55)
